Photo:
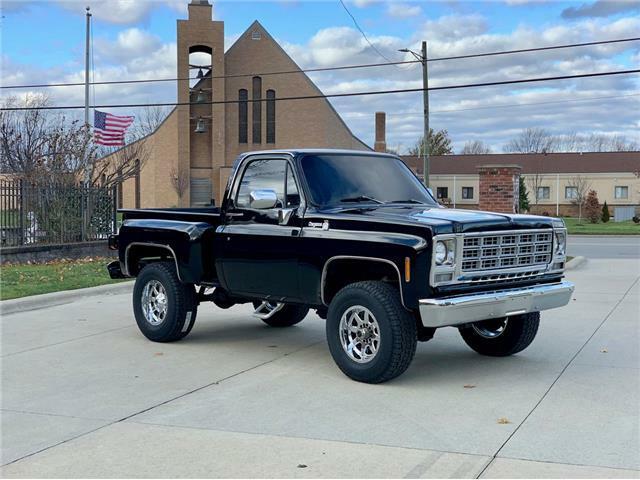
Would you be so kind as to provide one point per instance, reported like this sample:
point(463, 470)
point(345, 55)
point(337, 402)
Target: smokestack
point(381, 132)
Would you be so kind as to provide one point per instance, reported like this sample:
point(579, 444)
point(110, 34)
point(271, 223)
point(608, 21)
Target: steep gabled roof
point(251, 28)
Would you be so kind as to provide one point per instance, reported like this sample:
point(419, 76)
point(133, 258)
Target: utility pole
point(425, 101)
point(422, 58)
point(88, 172)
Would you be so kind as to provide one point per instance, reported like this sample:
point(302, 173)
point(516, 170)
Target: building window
point(257, 110)
point(442, 192)
point(243, 111)
point(467, 193)
point(256, 35)
point(137, 183)
point(271, 116)
point(544, 193)
point(621, 193)
point(243, 97)
point(571, 193)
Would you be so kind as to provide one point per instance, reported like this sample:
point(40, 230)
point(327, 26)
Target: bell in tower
point(201, 113)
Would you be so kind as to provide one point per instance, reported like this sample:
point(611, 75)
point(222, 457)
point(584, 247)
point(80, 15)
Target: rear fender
point(188, 244)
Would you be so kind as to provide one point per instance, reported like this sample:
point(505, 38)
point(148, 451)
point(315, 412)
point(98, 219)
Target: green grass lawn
point(609, 228)
point(24, 280)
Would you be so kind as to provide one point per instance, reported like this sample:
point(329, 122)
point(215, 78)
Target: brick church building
point(199, 142)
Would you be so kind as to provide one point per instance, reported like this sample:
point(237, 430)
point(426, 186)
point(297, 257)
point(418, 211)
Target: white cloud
point(130, 43)
point(123, 12)
point(463, 34)
point(136, 54)
point(601, 8)
point(403, 10)
point(364, 3)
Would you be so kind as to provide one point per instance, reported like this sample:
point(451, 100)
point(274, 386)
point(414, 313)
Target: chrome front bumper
point(458, 310)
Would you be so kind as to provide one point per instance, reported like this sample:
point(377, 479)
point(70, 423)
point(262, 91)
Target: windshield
point(337, 179)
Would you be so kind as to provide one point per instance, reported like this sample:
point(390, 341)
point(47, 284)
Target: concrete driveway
point(84, 394)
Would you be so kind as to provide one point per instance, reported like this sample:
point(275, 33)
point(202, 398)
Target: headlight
point(441, 253)
point(560, 243)
point(444, 253)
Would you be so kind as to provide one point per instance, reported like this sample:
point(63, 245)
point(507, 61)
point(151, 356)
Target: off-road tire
point(288, 316)
point(182, 306)
point(397, 327)
point(517, 335)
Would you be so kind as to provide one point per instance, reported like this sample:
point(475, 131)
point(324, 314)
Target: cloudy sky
point(43, 41)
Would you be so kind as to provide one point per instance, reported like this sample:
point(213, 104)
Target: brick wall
point(498, 190)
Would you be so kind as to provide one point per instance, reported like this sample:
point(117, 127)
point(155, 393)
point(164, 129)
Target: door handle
point(234, 214)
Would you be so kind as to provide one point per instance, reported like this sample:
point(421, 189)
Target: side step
point(267, 310)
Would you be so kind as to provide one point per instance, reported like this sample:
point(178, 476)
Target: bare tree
point(580, 189)
point(532, 140)
point(534, 182)
point(475, 147)
point(41, 147)
point(179, 181)
point(113, 166)
point(594, 142)
point(149, 120)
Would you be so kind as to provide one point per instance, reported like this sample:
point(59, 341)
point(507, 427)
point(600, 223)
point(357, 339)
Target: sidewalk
point(84, 394)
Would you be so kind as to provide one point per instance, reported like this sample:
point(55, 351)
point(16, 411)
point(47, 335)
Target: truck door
point(260, 239)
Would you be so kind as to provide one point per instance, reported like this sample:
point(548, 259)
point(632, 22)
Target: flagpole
point(88, 172)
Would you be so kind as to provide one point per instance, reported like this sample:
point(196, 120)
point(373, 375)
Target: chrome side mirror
point(263, 199)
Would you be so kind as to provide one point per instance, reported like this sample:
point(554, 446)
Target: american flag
point(109, 129)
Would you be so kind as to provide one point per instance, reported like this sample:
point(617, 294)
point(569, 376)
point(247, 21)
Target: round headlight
point(441, 253)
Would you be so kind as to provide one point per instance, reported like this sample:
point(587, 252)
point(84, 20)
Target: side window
point(293, 196)
point(259, 175)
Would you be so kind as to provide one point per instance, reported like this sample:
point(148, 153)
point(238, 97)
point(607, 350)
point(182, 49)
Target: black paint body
point(250, 255)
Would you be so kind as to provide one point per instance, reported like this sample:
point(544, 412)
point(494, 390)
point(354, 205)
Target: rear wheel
point(280, 315)
point(502, 337)
point(165, 308)
point(371, 336)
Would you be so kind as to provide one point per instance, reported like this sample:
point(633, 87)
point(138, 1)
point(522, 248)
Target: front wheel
point(164, 307)
point(502, 337)
point(371, 336)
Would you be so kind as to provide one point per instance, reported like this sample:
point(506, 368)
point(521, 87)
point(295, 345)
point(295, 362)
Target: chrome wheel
point(490, 328)
point(359, 334)
point(154, 302)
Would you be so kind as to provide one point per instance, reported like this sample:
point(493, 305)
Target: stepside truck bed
point(183, 235)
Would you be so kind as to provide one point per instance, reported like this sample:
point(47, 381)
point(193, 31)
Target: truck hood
point(442, 220)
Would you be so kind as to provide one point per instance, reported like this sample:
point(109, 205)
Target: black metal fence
point(32, 214)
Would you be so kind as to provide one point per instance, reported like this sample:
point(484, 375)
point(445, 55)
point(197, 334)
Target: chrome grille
point(506, 250)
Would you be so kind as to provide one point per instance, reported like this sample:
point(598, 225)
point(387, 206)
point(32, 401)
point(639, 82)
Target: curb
point(575, 262)
point(44, 300)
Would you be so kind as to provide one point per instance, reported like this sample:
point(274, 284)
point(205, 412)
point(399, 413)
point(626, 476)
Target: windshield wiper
point(361, 198)
point(409, 200)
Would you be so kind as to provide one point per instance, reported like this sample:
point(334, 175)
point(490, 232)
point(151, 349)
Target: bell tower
point(201, 124)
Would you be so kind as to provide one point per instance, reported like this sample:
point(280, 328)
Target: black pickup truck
point(356, 237)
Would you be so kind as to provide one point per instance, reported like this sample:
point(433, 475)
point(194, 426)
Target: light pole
point(422, 58)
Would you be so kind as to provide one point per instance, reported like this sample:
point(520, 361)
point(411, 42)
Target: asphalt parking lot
point(84, 394)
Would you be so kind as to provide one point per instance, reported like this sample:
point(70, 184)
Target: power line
point(535, 49)
point(364, 35)
point(322, 69)
point(340, 95)
point(515, 105)
point(215, 77)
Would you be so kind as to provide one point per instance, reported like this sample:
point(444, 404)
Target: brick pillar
point(499, 188)
point(381, 134)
